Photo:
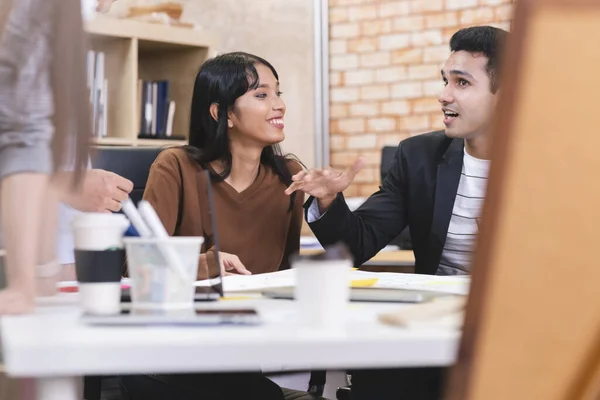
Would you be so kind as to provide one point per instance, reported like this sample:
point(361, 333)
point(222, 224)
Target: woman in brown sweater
point(237, 121)
point(236, 125)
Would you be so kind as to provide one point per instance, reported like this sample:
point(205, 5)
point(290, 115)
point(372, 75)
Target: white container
point(154, 283)
point(322, 292)
point(99, 232)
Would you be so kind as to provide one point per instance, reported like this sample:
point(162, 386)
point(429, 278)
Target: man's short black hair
point(486, 40)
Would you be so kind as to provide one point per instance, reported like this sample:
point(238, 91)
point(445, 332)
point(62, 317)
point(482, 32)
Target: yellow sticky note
point(363, 282)
point(226, 298)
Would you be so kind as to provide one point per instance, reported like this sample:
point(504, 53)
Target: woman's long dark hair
point(223, 80)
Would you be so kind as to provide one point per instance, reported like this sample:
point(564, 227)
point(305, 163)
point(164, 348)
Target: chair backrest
point(132, 163)
point(387, 156)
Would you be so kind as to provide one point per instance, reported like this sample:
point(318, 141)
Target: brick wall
point(385, 60)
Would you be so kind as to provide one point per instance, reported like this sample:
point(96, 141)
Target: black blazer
point(419, 191)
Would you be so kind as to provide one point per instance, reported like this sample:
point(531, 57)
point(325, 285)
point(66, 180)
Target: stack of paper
point(385, 280)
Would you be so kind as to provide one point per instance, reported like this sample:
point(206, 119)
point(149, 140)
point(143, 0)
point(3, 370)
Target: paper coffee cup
point(322, 288)
point(99, 259)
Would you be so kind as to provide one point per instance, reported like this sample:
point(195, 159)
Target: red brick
point(433, 87)
point(437, 54)
point(424, 6)
point(381, 124)
point(426, 38)
point(351, 191)
point(494, 2)
point(369, 109)
point(334, 127)
point(410, 56)
point(350, 30)
point(377, 27)
point(338, 14)
point(390, 74)
point(361, 13)
point(365, 141)
point(447, 34)
point(390, 139)
point(333, 3)
point(502, 25)
point(441, 20)
point(394, 8)
point(335, 79)
point(343, 157)
point(477, 16)
point(504, 13)
point(409, 23)
point(395, 107)
point(415, 123)
point(343, 95)
point(351, 125)
point(343, 62)
point(460, 4)
point(395, 41)
point(420, 72)
point(408, 90)
point(363, 45)
point(375, 92)
point(339, 46)
point(360, 77)
point(338, 110)
point(372, 157)
point(426, 105)
point(436, 122)
point(374, 60)
point(337, 142)
point(367, 174)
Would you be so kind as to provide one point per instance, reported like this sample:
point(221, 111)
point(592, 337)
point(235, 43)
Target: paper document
point(386, 280)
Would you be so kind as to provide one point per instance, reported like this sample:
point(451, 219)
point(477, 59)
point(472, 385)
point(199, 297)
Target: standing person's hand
point(324, 184)
point(100, 191)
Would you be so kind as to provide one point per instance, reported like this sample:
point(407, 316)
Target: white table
point(53, 347)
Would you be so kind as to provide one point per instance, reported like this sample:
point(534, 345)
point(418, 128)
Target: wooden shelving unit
point(138, 50)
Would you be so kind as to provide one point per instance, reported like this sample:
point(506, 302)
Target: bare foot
point(14, 302)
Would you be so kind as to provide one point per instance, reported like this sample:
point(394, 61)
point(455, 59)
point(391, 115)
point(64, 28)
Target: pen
point(159, 231)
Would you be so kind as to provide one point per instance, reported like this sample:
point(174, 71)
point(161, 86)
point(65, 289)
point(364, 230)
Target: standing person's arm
point(370, 228)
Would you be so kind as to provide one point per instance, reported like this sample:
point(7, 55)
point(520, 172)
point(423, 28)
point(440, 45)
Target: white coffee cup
point(99, 258)
point(322, 291)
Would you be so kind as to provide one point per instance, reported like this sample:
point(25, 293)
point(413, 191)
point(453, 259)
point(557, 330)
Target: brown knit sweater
point(256, 224)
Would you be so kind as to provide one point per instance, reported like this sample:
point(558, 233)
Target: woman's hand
point(231, 265)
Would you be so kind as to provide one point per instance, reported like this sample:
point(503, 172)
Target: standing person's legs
point(24, 174)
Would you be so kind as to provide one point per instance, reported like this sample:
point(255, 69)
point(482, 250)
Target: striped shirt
point(463, 229)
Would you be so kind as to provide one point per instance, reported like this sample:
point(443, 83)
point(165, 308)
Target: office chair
point(134, 164)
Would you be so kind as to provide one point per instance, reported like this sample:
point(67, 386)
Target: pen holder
point(155, 284)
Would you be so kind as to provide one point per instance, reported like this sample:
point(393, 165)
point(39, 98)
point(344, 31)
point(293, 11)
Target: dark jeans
point(205, 387)
point(398, 384)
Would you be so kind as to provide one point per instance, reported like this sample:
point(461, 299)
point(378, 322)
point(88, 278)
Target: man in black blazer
point(435, 186)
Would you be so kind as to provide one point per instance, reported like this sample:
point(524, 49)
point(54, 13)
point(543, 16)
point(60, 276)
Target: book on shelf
point(98, 87)
point(156, 110)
